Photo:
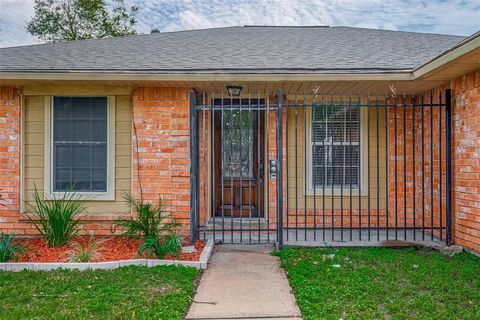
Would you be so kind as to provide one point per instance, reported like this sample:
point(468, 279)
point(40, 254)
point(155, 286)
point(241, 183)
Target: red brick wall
point(408, 184)
point(10, 150)
point(161, 165)
point(466, 160)
point(271, 142)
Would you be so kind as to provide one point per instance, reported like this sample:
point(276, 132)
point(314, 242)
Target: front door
point(238, 156)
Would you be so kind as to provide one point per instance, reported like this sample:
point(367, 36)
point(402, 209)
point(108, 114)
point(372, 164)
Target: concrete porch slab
point(244, 282)
point(332, 238)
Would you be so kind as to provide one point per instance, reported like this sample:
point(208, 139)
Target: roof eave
point(243, 76)
point(469, 44)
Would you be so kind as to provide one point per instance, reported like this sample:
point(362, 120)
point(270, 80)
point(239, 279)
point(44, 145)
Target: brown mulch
point(112, 249)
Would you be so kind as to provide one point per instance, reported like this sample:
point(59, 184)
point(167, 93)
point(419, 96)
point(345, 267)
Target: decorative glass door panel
point(237, 144)
point(238, 156)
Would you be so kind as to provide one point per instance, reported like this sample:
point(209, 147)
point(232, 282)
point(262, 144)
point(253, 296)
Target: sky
point(459, 17)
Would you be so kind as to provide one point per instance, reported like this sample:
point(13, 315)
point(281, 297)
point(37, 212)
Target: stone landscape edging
point(202, 263)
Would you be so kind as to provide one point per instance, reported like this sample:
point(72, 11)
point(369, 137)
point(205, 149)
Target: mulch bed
point(112, 249)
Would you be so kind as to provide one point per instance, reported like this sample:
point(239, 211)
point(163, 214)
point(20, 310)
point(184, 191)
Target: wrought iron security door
point(350, 168)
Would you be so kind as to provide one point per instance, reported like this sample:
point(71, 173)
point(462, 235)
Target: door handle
point(261, 171)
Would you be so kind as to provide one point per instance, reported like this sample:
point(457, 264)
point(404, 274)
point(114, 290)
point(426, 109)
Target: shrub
point(170, 244)
point(155, 225)
point(86, 251)
point(150, 221)
point(56, 219)
point(9, 249)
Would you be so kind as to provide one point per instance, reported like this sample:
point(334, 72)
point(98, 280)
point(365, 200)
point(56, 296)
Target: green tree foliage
point(65, 20)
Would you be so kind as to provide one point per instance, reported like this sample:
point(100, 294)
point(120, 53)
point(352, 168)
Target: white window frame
point(337, 190)
point(108, 195)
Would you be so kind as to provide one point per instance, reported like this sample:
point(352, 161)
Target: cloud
point(437, 16)
point(14, 15)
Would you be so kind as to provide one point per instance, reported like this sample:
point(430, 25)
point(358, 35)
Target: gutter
point(203, 76)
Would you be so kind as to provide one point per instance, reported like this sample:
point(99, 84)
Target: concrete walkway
point(244, 282)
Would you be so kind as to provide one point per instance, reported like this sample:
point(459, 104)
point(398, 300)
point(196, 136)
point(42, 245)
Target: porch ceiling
point(321, 87)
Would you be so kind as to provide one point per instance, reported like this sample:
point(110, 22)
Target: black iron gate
point(232, 147)
point(313, 169)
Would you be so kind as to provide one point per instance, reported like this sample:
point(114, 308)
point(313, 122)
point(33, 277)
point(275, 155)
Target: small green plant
point(170, 244)
point(86, 251)
point(56, 219)
point(9, 249)
point(155, 225)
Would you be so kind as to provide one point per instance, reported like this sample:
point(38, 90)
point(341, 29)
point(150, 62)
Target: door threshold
point(237, 221)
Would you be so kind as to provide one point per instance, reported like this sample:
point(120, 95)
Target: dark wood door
point(238, 155)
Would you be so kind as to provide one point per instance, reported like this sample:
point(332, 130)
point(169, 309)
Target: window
point(335, 147)
point(80, 144)
point(237, 143)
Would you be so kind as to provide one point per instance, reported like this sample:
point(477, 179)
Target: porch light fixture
point(234, 91)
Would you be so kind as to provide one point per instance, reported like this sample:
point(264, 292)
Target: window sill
point(87, 196)
point(336, 192)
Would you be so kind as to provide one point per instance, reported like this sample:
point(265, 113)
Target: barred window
point(80, 134)
point(335, 141)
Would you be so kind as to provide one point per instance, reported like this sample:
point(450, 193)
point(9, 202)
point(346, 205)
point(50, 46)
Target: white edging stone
point(18, 266)
point(109, 265)
point(133, 262)
point(80, 266)
point(47, 266)
point(206, 253)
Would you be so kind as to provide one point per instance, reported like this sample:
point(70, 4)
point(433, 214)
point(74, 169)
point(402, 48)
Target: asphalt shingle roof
point(237, 49)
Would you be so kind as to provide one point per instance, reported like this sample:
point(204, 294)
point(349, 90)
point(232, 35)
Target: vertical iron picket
point(440, 164)
point(313, 149)
point(423, 167)
point(279, 129)
point(296, 167)
point(368, 165)
point(387, 158)
point(287, 192)
point(194, 203)
point(324, 128)
point(260, 177)
point(305, 205)
point(342, 182)
point(414, 170)
point(205, 164)
point(377, 128)
point(351, 162)
point(332, 152)
point(448, 154)
point(360, 185)
point(395, 163)
point(404, 167)
point(431, 165)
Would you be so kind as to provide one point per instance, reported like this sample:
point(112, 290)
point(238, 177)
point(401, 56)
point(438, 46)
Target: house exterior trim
point(470, 44)
point(201, 76)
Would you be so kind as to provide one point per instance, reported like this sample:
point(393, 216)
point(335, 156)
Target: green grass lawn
point(162, 292)
point(382, 283)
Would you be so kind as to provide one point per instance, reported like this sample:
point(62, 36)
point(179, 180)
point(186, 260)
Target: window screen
point(335, 146)
point(80, 144)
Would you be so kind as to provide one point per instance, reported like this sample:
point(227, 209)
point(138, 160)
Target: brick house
point(298, 135)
